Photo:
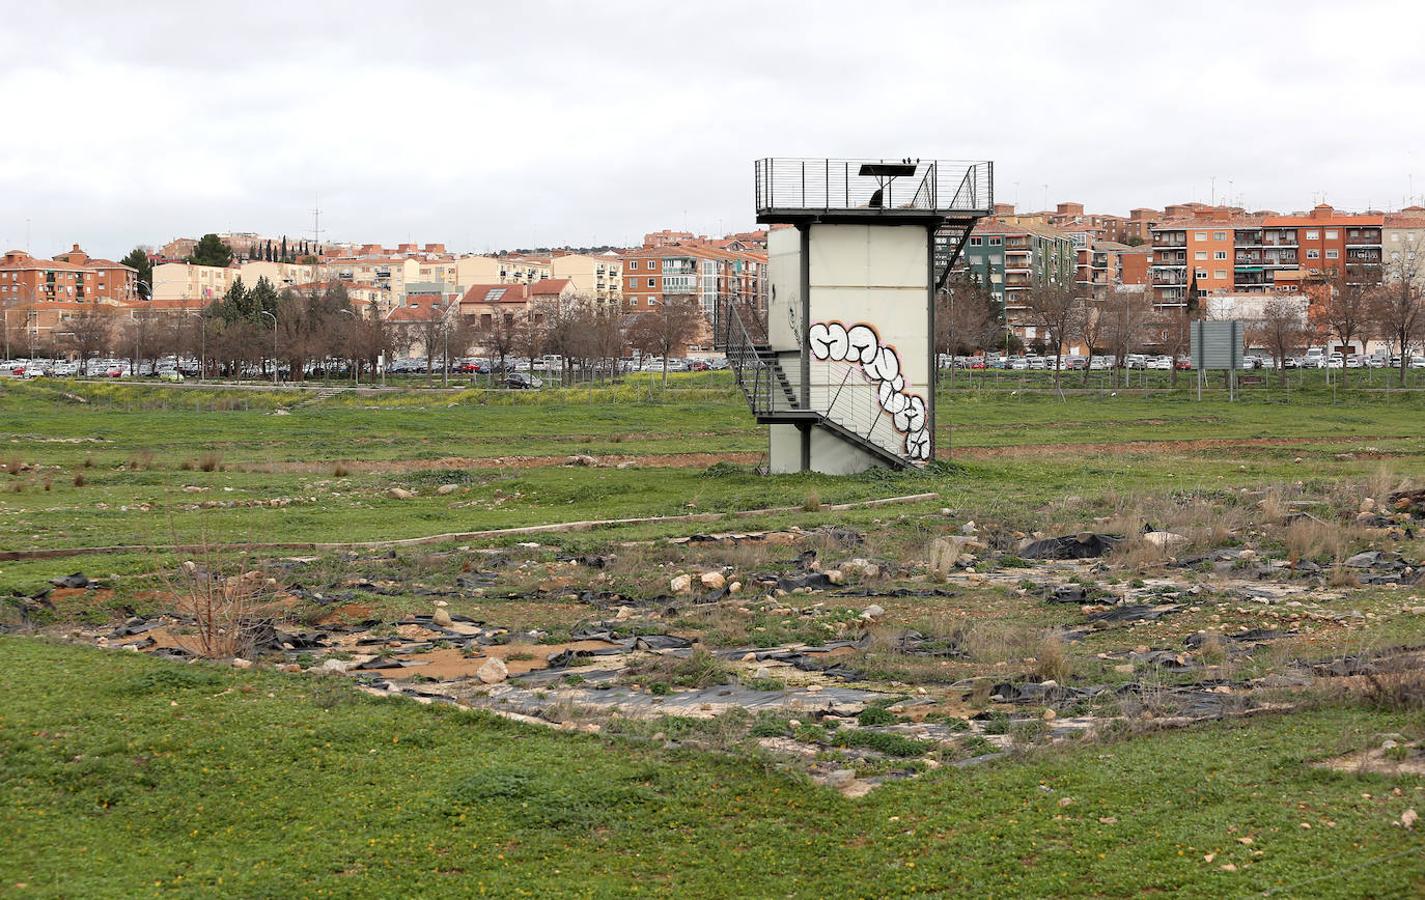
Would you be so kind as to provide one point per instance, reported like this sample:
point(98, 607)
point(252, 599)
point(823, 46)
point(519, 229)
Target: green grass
point(126, 775)
point(293, 458)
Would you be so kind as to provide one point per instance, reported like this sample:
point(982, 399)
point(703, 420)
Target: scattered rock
point(336, 665)
point(240, 663)
point(1167, 541)
point(400, 494)
point(835, 576)
point(872, 612)
point(712, 580)
point(581, 459)
point(441, 618)
point(493, 671)
point(681, 584)
point(969, 527)
point(735, 587)
point(445, 489)
point(1409, 818)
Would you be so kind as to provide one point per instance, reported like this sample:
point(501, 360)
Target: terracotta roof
point(507, 293)
point(549, 287)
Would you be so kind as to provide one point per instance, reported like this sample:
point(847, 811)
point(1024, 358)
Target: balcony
point(1247, 239)
point(1175, 239)
point(1279, 239)
point(1170, 279)
point(1171, 259)
point(1364, 237)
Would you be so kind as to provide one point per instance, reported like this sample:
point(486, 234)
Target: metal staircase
point(775, 398)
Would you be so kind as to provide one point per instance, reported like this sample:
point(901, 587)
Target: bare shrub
point(14, 464)
point(1213, 651)
point(211, 461)
point(812, 503)
point(17, 487)
point(48, 482)
point(140, 459)
point(340, 471)
point(80, 480)
point(1311, 538)
point(231, 609)
point(1137, 555)
point(1052, 660)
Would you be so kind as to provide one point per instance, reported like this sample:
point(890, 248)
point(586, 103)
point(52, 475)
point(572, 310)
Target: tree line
point(1345, 307)
point(320, 331)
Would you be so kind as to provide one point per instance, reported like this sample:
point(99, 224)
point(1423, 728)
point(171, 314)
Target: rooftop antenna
point(316, 220)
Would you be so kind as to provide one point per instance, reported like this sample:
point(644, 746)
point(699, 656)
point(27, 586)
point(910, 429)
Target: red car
point(1183, 365)
point(698, 365)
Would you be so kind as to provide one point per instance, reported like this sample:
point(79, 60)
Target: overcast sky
point(503, 124)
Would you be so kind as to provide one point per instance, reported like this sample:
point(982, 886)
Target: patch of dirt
point(1377, 761)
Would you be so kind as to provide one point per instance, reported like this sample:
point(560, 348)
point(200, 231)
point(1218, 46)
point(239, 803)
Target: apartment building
point(705, 273)
point(1011, 258)
point(73, 276)
point(1223, 250)
point(1102, 266)
point(472, 270)
point(598, 276)
point(1403, 245)
point(186, 281)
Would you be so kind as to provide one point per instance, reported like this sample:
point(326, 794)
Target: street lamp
point(142, 327)
point(274, 342)
point(355, 370)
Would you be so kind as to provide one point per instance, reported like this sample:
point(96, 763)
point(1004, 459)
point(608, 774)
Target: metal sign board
point(1217, 345)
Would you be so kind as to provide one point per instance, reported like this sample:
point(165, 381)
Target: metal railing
point(826, 185)
point(761, 379)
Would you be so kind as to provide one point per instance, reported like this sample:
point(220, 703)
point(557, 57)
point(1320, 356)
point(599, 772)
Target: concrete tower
point(842, 364)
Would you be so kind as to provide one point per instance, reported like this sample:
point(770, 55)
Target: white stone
point(713, 580)
point(240, 663)
point(493, 671)
point(447, 489)
point(400, 494)
point(872, 612)
point(1165, 540)
point(681, 584)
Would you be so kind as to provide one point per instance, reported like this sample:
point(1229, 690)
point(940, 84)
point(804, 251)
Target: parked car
point(1183, 364)
point(1417, 362)
point(1164, 363)
point(522, 382)
point(1076, 363)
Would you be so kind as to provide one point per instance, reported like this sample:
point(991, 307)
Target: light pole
point(274, 342)
point(143, 325)
point(355, 371)
point(445, 351)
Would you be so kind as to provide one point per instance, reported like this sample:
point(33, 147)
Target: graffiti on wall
point(860, 345)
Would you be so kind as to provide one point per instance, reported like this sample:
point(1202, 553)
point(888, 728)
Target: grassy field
point(127, 775)
point(119, 464)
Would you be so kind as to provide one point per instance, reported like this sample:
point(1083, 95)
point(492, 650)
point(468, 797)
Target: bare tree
point(87, 334)
point(1344, 311)
point(1058, 310)
point(666, 328)
point(498, 335)
point(1172, 329)
point(1282, 330)
point(1123, 318)
point(1397, 308)
point(966, 318)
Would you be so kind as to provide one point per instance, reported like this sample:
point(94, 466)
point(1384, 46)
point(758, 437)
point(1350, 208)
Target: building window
point(1219, 235)
point(652, 282)
point(633, 263)
point(1332, 234)
point(1221, 273)
point(1200, 254)
point(1333, 254)
point(976, 242)
point(995, 242)
point(1219, 254)
point(1313, 235)
point(1200, 236)
point(1313, 254)
point(1200, 274)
